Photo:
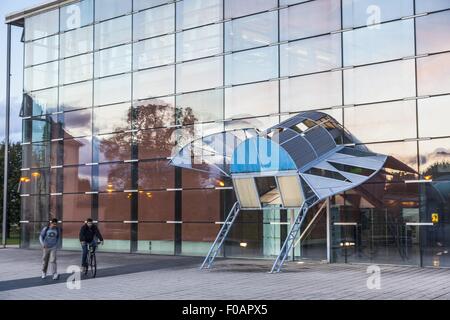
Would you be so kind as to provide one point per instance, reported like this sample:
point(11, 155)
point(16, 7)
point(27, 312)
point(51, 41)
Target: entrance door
point(373, 235)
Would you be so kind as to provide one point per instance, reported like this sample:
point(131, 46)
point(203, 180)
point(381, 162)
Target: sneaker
point(43, 275)
point(55, 276)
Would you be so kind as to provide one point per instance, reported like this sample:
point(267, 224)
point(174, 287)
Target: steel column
point(7, 111)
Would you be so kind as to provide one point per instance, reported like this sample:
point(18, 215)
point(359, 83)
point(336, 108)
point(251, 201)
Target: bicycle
point(91, 261)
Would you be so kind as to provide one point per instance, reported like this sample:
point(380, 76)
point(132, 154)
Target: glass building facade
point(112, 88)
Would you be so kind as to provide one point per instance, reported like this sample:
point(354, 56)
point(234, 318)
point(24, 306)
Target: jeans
point(86, 250)
point(49, 256)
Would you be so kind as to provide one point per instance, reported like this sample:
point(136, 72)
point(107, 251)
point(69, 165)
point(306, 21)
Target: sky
point(6, 7)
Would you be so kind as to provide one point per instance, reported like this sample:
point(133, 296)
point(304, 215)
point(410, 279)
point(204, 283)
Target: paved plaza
point(133, 276)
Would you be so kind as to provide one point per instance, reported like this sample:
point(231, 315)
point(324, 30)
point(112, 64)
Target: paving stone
point(134, 276)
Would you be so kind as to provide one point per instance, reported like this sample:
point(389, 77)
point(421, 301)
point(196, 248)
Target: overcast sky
point(8, 6)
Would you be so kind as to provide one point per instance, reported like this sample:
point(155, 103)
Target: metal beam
point(6, 159)
point(328, 230)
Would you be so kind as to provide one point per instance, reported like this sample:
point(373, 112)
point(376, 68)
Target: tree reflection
point(155, 137)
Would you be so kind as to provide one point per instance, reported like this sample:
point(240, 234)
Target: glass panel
point(154, 175)
point(156, 238)
point(311, 55)
point(431, 5)
point(156, 206)
point(76, 69)
point(192, 179)
point(432, 74)
point(289, 2)
point(36, 208)
point(252, 65)
point(197, 238)
point(189, 133)
point(290, 190)
point(77, 151)
point(107, 9)
point(41, 76)
point(113, 32)
point(379, 233)
point(42, 25)
point(255, 236)
point(144, 4)
point(154, 113)
point(367, 12)
point(433, 32)
point(237, 8)
point(311, 92)
point(77, 42)
point(195, 13)
point(112, 118)
point(268, 191)
point(435, 160)
point(387, 81)
point(76, 207)
point(251, 100)
point(112, 147)
point(39, 155)
point(42, 50)
point(115, 206)
point(199, 42)
point(260, 123)
point(200, 74)
point(300, 21)
point(37, 129)
point(117, 236)
point(77, 15)
point(155, 143)
point(77, 123)
point(114, 177)
point(112, 90)
point(405, 152)
point(253, 31)
point(247, 193)
point(154, 82)
point(368, 45)
point(154, 52)
point(75, 96)
point(200, 106)
point(77, 179)
point(433, 114)
point(113, 61)
point(201, 205)
point(154, 22)
point(314, 244)
point(374, 116)
point(40, 102)
point(436, 238)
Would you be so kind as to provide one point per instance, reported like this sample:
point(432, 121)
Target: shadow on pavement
point(103, 273)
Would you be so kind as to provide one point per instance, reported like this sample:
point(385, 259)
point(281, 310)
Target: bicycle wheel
point(93, 265)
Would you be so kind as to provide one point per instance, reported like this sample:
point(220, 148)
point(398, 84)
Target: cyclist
point(89, 233)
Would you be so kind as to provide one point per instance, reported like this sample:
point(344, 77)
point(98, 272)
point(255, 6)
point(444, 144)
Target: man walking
point(89, 233)
point(49, 238)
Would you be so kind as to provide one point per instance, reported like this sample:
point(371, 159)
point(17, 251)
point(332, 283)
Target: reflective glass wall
point(111, 90)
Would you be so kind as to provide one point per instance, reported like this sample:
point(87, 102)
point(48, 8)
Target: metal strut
point(289, 242)
point(215, 248)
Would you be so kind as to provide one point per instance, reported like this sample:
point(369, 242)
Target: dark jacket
point(87, 234)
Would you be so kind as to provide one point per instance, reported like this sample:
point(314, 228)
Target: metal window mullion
point(342, 73)
point(279, 60)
